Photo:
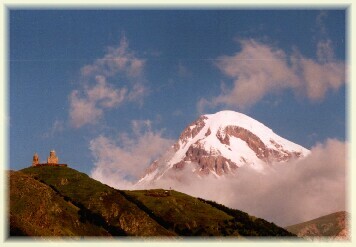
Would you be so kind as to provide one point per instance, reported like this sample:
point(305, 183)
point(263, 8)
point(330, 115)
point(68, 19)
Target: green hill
point(191, 216)
point(99, 203)
point(37, 210)
point(331, 225)
point(60, 201)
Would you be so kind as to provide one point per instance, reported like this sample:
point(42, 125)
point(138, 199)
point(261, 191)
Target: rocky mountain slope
point(333, 225)
point(220, 143)
point(60, 201)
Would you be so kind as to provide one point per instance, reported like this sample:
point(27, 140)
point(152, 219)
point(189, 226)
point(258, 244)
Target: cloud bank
point(261, 69)
point(284, 194)
point(96, 94)
point(119, 162)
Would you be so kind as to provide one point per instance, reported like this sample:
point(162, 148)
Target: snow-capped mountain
point(220, 143)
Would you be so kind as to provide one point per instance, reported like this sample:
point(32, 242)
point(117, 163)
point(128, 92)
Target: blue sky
point(89, 83)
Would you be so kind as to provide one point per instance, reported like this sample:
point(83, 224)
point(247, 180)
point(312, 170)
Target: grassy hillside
point(37, 210)
point(248, 225)
point(72, 203)
point(332, 225)
point(179, 212)
point(99, 202)
point(194, 216)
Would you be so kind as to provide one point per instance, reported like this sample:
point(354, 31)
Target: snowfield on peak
point(222, 119)
point(219, 143)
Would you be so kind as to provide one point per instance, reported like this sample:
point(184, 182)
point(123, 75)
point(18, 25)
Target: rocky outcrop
point(206, 162)
point(254, 142)
point(191, 131)
point(213, 161)
point(152, 167)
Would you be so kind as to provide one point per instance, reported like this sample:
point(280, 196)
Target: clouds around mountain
point(258, 69)
point(286, 194)
point(120, 161)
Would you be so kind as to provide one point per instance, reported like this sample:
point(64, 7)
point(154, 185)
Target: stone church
point(52, 160)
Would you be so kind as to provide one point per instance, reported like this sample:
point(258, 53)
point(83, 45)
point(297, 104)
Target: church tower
point(52, 159)
point(35, 160)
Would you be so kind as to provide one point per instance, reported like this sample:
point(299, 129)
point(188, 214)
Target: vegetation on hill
point(247, 225)
point(191, 216)
point(74, 204)
point(179, 212)
point(37, 210)
point(101, 202)
point(331, 225)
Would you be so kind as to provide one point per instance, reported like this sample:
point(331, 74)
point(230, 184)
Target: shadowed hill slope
point(37, 210)
point(191, 216)
point(98, 201)
point(73, 204)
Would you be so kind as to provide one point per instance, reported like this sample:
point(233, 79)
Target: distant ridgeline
point(52, 160)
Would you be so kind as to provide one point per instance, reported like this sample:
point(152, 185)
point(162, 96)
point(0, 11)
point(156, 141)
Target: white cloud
point(261, 69)
point(120, 162)
point(257, 70)
point(319, 78)
point(137, 92)
point(141, 126)
point(117, 59)
point(87, 106)
point(57, 127)
point(325, 51)
point(202, 104)
point(96, 94)
point(285, 194)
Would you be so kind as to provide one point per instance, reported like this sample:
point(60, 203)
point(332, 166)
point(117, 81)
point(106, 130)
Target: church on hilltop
point(52, 160)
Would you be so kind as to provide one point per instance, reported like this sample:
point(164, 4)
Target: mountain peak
point(226, 118)
point(219, 143)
